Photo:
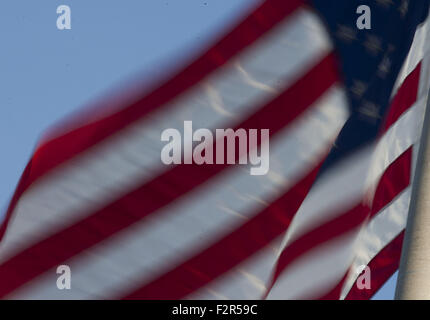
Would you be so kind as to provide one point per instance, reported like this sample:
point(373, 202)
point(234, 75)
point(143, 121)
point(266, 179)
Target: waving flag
point(344, 109)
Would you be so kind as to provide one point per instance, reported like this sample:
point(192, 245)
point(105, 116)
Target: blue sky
point(45, 73)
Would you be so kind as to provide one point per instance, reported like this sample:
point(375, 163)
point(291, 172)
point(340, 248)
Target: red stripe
point(263, 19)
point(230, 250)
point(57, 150)
point(161, 191)
point(345, 222)
point(386, 262)
point(405, 97)
point(382, 267)
point(335, 292)
point(395, 179)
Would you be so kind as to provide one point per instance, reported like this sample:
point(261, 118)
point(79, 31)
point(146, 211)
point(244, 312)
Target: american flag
point(344, 107)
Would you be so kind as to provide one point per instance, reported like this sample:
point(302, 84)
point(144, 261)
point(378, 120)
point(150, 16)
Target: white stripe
point(332, 193)
point(247, 281)
point(401, 135)
point(321, 204)
point(388, 223)
point(340, 188)
point(315, 272)
point(379, 232)
point(334, 190)
point(160, 242)
point(131, 157)
point(346, 183)
point(423, 91)
point(419, 48)
point(374, 237)
point(404, 133)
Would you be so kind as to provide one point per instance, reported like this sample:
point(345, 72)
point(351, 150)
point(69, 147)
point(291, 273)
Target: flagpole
point(413, 282)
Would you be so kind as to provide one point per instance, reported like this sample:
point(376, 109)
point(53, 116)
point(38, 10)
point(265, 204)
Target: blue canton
point(369, 61)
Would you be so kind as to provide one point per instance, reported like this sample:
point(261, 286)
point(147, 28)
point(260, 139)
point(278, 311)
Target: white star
point(385, 3)
point(358, 88)
point(384, 67)
point(346, 33)
point(370, 111)
point(404, 7)
point(373, 44)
